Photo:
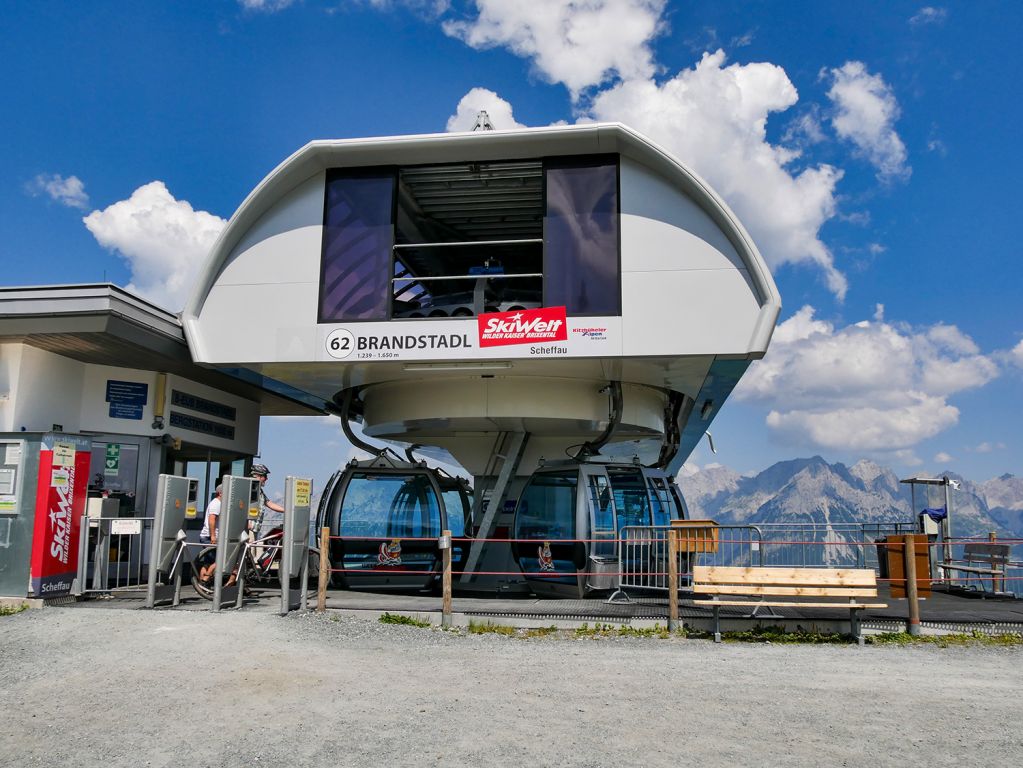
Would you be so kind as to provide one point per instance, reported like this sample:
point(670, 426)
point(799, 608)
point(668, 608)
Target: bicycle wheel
point(205, 588)
point(314, 573)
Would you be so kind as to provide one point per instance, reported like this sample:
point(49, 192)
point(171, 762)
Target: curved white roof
point(697, 300)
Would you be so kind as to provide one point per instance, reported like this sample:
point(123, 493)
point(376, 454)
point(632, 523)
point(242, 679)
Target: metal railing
point(826, 545)
point(113, 554)
point(643, 553)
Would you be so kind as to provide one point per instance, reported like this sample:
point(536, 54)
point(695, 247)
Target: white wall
point(685, 289)
point(264, 303)
point(48, 392)
point(47, 389)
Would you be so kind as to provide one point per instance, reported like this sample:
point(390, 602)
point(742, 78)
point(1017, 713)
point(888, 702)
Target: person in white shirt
point(208, 534)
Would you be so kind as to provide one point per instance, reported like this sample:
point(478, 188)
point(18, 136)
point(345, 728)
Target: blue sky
point(870, 148)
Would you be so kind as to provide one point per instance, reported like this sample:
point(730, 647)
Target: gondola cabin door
point(389, 522)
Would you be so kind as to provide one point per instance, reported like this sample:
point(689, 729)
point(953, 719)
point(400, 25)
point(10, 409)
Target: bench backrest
point(798, 582)
point(991, 554)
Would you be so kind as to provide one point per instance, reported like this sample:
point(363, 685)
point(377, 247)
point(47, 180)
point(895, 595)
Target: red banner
point(61, 491)
point(526, 326)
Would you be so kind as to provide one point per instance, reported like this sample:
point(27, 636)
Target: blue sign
point(126, 411)
point(127, 392)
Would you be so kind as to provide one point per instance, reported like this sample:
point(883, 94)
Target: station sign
point(536, 333)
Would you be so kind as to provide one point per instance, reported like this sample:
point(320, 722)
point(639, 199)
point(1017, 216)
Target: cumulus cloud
point(498, 110)
point(870, 386)
point(928, 15)
point(164, 241)
point(714, 118)
point(69, 191)
point(580, 43)
point(865, 114)
point(1016, 355)
point(943, 458)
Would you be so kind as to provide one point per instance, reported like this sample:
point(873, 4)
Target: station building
point(505, 297)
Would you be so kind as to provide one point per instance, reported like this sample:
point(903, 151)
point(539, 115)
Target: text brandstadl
point(410, 341)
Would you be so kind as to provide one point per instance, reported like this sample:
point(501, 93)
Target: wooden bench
point(845, 587)
point(984, 560)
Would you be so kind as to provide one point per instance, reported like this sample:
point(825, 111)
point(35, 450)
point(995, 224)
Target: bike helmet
point(259, 470)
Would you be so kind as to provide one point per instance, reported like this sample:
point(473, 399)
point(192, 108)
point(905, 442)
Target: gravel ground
point(131, 688)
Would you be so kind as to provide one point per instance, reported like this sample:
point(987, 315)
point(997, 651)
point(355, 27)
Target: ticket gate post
point(176, 501)
point(294, 563)
point(240, 503)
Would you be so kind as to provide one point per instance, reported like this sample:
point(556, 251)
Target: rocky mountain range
point(812, 490)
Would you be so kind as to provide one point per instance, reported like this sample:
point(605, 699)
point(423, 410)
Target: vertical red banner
point(61, 490)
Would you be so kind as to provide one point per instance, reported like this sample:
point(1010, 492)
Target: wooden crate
point(696, 535)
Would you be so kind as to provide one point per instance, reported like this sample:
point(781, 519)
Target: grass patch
point(11, 610)
point(946, 641)
point(408, 621)
point(624, 630)
point(774, 634)
point(541, 631)
point(488, 627)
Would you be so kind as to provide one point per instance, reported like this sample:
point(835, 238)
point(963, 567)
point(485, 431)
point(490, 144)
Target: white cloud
point(164, 241)
point(1016, 355)
point(580, 43)
point(870, 386)
point(498, 110)
point(713, 117)
point(69, 191)
point(928, 15)
point(426, 7)
point(865, 114)
point(942, 458)
point(987, 447)
point(265, 6)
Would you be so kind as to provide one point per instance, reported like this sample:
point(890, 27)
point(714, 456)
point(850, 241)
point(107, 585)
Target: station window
point(358, 238)
point(460, 239)
point(582, 268)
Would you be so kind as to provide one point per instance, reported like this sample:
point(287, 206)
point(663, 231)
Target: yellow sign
point(303, 492)
point(63, 454)
point(190, 512)
point(253, 512)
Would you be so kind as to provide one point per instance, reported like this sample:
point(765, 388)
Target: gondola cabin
point(570, 516)
point(385, 516)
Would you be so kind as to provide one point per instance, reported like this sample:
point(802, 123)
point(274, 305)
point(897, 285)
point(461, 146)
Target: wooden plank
point(971, 569)
point(782, 576)
point(785, 604)
point(754, 589)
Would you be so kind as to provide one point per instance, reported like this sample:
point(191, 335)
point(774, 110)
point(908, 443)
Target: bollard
point(911, 593)
point(321, 591)
point(445, 548)
point(672, 580)
point(996, 584)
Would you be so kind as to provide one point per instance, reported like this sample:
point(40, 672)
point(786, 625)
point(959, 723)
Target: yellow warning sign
point(303, 492)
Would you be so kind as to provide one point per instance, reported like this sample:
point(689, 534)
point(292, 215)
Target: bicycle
point(260, 563)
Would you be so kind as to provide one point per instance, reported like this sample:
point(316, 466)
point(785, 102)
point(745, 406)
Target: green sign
point(113, 461)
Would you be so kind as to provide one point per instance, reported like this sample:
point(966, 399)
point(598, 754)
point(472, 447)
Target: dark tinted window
point(358, 237)
point(631, 498)
point(581, 242)
point(546, 509)
point(390, 505)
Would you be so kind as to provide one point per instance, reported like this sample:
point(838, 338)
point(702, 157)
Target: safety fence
point(643, 564)
point(113, 553)
point(662, 559)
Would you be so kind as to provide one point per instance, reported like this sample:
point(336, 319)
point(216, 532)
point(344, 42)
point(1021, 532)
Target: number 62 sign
point(340, 343)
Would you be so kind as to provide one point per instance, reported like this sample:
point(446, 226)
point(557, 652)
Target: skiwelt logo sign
point(525, 326)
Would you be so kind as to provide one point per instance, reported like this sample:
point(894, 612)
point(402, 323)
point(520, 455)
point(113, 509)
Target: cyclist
point(261, 472)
